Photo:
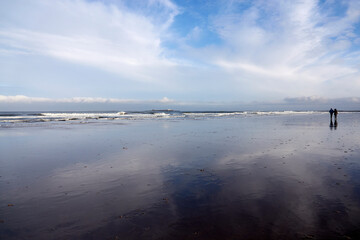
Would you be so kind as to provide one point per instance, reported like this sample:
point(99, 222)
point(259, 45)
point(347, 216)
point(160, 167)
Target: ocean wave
point(26, 117)
point(282, 112)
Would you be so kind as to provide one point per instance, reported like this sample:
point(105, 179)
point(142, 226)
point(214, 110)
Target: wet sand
point(260, 177)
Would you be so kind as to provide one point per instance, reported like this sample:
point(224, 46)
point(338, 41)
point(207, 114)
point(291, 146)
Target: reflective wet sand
point(260, 177)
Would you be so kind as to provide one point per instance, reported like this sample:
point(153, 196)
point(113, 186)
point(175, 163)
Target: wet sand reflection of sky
point(274, 177)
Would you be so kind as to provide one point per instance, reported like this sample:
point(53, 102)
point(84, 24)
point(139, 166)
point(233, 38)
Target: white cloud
point(21, 99)
point(104, 36)
point(166, 100)
point(321, 100)
point(287, 48)
point(26, 99)
point(268, 51)
point(29, 100)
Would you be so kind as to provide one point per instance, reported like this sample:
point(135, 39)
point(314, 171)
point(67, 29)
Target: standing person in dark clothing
point(331, 113)
point(335, 114)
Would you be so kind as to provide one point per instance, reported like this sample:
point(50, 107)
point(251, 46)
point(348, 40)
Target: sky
point(131, 53)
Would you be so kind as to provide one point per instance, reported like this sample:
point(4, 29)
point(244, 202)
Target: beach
point(282, 175)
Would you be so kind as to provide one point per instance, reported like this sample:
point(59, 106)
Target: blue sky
point(179, 52)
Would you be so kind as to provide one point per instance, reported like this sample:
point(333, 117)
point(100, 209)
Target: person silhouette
point(335, 114)
point(331, 111)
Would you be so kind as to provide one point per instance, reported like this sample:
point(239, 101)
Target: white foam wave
point(94, 116)
point(161, 114)
point(78, 115)
point(281, 112)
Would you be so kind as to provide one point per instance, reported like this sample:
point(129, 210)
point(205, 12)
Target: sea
point(30, 118)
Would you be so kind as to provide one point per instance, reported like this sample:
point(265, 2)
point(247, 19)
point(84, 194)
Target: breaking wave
point(31, 117)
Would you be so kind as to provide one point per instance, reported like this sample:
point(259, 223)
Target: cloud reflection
point(258, 177)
